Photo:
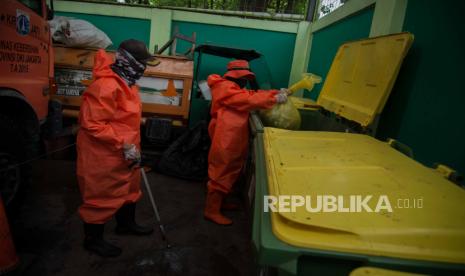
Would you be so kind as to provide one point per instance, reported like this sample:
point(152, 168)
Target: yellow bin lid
point(361, 76)
point(318, 164)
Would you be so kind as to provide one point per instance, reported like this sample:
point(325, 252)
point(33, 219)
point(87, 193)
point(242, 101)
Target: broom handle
point(154, 205)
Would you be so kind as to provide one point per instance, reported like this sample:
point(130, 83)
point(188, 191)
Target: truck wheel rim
point(9, 177)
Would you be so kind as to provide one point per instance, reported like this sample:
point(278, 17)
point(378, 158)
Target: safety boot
point(213, 206)
point(94, 241)
point(229, 206)
point(126, 223)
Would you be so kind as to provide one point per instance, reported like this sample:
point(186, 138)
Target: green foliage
point(268, 6)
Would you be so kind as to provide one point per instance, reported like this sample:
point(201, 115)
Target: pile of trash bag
point(283, 115)
point(187, 157)
point(77, 33)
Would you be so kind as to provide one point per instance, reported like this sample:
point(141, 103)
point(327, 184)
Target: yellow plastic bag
point(286, 115)
point(283, 115)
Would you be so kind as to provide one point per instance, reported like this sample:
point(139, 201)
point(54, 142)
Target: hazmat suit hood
point(102, 62)
point(214, 80)
point(217, 79)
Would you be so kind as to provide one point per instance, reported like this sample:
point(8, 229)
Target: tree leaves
point(266, 6)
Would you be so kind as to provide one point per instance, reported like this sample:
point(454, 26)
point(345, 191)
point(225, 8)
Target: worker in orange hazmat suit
point(229, 131)
point(108, 142)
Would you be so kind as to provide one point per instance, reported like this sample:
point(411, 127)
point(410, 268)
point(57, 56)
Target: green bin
point(354, 93)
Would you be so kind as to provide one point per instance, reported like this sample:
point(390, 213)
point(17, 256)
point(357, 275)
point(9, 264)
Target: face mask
point(241, 82)
point(127, 67)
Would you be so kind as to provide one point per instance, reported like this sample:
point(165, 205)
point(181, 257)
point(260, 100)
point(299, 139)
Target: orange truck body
point(26, 82)
point(26, 53)
point(73, 72)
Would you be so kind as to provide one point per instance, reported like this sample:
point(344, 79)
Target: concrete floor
point(48, 232)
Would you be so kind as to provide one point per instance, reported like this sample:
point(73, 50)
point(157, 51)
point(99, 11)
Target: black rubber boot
point(94, 241)
point(126, 223)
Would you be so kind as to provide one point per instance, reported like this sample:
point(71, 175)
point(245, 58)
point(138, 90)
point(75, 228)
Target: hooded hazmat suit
point(229, 129)
point(109, 117)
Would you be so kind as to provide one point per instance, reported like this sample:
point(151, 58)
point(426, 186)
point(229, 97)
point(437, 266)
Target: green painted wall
point(426, 108)
point(277, 47)
point(326, 42)
point(117, 28)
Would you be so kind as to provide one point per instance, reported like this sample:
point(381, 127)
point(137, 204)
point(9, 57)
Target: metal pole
point(154, 205)
point(310, 11)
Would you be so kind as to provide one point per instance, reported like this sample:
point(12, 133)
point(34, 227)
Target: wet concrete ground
point(48, 232)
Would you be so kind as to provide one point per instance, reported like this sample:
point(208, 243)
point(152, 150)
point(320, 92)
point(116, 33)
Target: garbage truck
point(26, 81)
point(42, 82)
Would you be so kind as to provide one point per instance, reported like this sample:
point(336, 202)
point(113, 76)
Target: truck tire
point(17, 145)
point(267, 271)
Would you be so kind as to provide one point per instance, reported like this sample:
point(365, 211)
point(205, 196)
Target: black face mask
point(127, 67)
point(241, 82)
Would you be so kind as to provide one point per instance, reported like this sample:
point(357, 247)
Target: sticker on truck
point(23, 23)
point(69, 81)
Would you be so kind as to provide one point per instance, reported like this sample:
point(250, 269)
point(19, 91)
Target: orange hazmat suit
point(110, 116)
point(229, 129)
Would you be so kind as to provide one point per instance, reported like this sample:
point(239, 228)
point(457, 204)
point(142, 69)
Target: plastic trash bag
point(286, 115)
point(77, 33)
point(283, 115)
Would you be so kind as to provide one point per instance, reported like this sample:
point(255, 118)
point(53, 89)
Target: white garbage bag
point(77, 33)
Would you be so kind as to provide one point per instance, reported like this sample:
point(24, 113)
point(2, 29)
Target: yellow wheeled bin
point(344, 200)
